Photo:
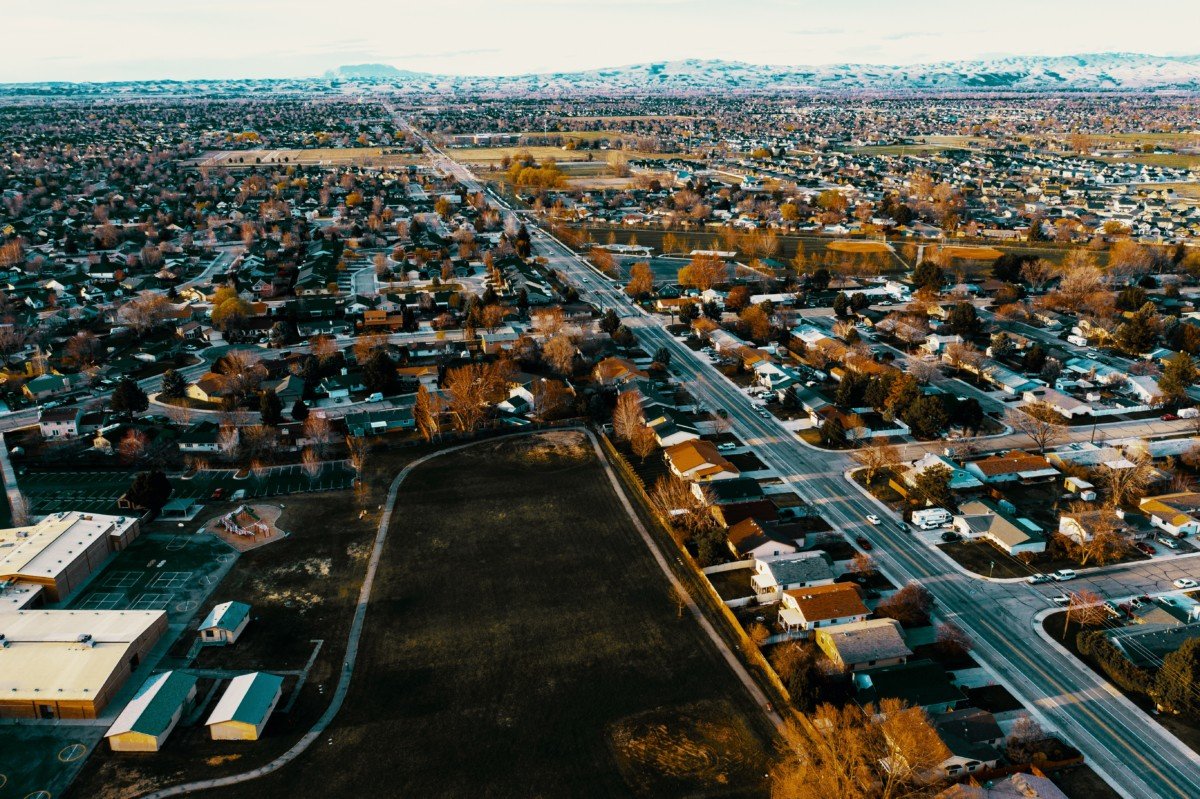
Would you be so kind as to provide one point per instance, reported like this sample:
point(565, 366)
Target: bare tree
point(627, 415)
point(357, 449)
point(1086, 607)
point(875, 456)
point(1039, 422)
point(1123, 484)
point(559, 352)
point(643, 442)
point(311, 462)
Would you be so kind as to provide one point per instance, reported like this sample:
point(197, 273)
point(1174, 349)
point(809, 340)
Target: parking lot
point(98, 491)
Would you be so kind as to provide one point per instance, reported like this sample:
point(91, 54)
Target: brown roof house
point(1011, 467)
point(699, 461)
point(803, 610)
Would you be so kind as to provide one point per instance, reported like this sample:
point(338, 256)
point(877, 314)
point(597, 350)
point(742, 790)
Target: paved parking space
point(98, 491)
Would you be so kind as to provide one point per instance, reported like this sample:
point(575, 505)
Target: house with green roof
point(145, 723)
point(243, 710)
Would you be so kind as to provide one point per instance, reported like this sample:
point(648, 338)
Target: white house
point(805, 609)
point(774, 575)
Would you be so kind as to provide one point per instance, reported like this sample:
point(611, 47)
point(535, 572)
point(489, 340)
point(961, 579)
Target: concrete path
point(364, 598)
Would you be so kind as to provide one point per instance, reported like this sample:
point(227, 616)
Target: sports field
point(521, 642)
point(857, 246)
point(971, 253)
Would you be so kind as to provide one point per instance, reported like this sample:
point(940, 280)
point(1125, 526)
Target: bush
point(1118, 669)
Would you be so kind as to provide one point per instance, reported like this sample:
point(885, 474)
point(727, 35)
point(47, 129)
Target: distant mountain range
point(1078, 73)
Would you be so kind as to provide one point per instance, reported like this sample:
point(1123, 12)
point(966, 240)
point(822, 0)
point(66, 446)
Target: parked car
point(1144, 548)
point(1062, 575)
point(873, 519)
point(1168, 417)
point(864, 543)
point(1185, 582)
point(951, 536)
point(218, 493)
point(1168, 542)
point(1061, 599)
point(1036, 579)
point(726, 447)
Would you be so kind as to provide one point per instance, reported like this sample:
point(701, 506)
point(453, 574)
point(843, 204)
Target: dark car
point(1168, 417)
point(1144, 548)
point(218, 493)
point(864, 544)
point(950, 537)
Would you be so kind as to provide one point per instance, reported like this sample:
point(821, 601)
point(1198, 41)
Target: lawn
point(494, 155)
point(971, 253)
point(521, 642)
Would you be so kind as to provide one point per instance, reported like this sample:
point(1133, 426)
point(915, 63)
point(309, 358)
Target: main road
point(1136, 755)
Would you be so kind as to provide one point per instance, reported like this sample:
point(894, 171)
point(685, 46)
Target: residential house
point(972, 738)
point(205, 437)
point(805, 609)
point(614, 371)
point(44, 387)
point(863, 644)
point(699, 461)
point(982, 518)
point(754, 538)
point(1010, 467)
point(919, 683)
point(960, 479)
point(1177, 514)
point(60, 422)
point(775, 574)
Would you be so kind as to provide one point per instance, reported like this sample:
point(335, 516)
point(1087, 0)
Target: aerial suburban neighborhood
point(690, 428)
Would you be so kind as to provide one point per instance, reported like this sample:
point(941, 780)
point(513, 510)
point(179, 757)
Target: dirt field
point(971, 253)
point(322, 156)
point(857, 246)
point(494, 155)
point(521, 642)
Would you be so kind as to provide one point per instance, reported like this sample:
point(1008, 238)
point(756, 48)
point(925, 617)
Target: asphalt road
point(1136, 755)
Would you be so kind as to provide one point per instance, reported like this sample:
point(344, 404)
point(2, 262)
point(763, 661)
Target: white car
point(1185, 582)
point(1061, 599)
point(873, 519)
point(1062, 575)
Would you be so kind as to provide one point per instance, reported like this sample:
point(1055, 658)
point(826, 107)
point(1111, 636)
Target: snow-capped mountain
point(1092, 72)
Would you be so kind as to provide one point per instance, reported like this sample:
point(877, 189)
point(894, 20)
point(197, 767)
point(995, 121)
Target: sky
point(105, 40)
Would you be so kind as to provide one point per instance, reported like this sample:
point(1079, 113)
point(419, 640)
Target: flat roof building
point(70, 663)
point(62, 550)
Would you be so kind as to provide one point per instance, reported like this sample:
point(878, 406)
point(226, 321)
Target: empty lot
point(521, 642)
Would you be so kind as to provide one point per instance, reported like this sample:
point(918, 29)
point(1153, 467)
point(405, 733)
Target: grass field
point(521, 642)
point(320, 156)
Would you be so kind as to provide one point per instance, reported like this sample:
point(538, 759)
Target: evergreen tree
point(270, 407)
point(128, 399)
point(299, 410)
point(173, 384)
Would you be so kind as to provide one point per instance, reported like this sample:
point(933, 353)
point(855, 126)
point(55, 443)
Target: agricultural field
point(321, 156)
point(526, 644)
